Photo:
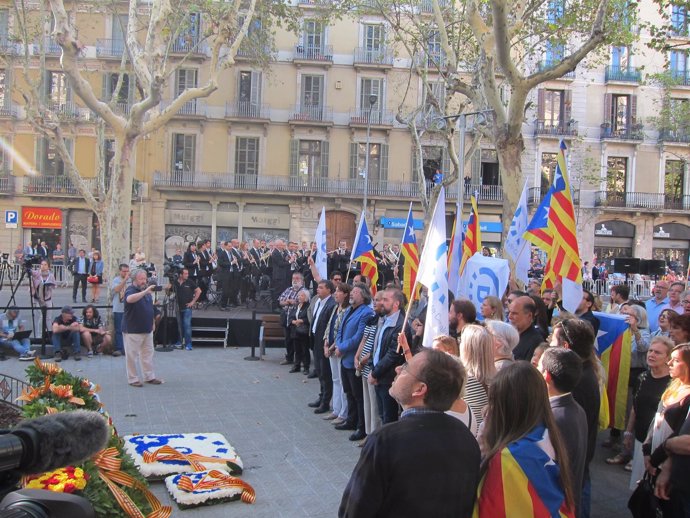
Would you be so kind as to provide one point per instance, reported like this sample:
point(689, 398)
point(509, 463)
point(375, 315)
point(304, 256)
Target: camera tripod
point(5, 272)
point(166, 347)
point(12, 300)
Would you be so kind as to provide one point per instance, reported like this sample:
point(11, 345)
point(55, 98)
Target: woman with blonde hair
point(492, 308)
point(477, 355)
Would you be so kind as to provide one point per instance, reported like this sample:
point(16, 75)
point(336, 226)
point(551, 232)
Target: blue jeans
point(186, 320)
point(119, 343)
point(21, 347)
point(66, 337)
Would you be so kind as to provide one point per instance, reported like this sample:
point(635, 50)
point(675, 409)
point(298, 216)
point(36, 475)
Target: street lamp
point(372, 101)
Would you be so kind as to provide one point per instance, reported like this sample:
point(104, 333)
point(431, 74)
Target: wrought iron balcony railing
point(311, 114)
point(556, 130)
point(6, 183)
point(109, 48)
point(50, 45)
point(320, 54)
point(65, 111)
point(8, 47)
point(188, 45)
point(53, 186)
point(8, 111)
point(193, 108)
point(641, 200)
point(633, 132)
point(677, 136)
point(680, 77)
point(622, 74)
point(382, 56)
point(551, 63)
point(247, 110)
point(375, 118)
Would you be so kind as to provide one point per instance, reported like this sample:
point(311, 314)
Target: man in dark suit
point(522, 313)
point(80, 271)
point(225, 266)
point(320, 311)
point(426, 464)
point(562, 369)
point(385, 357)
point(280, 270)
point(340, 258)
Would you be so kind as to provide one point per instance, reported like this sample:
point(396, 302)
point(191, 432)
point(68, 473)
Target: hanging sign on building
point(41, 217)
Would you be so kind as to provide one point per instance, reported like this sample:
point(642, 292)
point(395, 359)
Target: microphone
point(53, 441)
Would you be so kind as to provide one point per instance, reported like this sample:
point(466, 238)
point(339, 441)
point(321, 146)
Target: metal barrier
point(640, 289)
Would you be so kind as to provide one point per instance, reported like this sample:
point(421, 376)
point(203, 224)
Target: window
point(679, 64)
point(4, 27)
point(616, 180)
point(186, 78)
point(674, 179)
point(679, 20)
point(555, 10)
point(313, 38)
point(110, 81)
point(308, 161)
point(311, 97)
point(438, 91)
point(183, 157)
point(247, 156)
point(188, 38)
point(57, 89)
point(119, 29)
point(548, 170)
point(374, 37)
point(433, 48)
point(621, 113)
point(50, 162)
point(620, 58)
point(554, 53)
point(4, 94)
point(553, 107)
point(378, 161)
point(369, 87)
point(249, 93)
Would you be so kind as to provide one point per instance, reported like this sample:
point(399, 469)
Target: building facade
point(263, 154)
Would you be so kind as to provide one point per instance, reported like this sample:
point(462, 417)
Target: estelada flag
point(410, 253)
point(614, 344)
point(363, 251)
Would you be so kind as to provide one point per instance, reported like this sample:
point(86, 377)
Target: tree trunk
point(509, 151)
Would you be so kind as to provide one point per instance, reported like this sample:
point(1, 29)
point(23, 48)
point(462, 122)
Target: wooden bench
point(271, 331)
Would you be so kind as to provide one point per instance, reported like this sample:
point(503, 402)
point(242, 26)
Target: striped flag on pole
point(410, 253)
point(363, 251)
point(473, 236)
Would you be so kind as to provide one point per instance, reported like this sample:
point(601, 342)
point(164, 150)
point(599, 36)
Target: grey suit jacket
point(572, 423)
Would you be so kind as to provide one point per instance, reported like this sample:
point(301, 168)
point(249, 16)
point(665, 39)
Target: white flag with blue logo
point(516, 245)
point(321, 257)
point(433, 273)
point(484, 276)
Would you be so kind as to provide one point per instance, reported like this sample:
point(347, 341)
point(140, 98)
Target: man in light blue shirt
point(656, 304)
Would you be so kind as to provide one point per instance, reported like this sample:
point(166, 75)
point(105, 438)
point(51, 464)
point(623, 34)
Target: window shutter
point(383, 174)
point(540, 104)
point(445, 166)
point(40, 155)
point(324, 158)
point(608, 101)
point(414, 165)
point(294, 157)
point(105, 87)
point(567, 106)
point(256, 88)
point(476, 168)
point(633, 109)
point(354, 148)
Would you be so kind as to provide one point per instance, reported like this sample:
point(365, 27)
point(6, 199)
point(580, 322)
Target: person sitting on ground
point(93, 333)
point(9, 325)
point(66, 331)
point(505, 338)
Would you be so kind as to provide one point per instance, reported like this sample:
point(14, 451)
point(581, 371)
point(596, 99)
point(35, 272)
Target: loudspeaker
point(626, 265)
point(653, 267)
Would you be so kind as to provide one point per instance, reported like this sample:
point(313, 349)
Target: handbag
point(92, 279)
point(643, 503)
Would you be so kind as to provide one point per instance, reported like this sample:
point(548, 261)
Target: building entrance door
point(340, 225)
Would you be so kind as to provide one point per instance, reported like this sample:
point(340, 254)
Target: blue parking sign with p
point(11, 217)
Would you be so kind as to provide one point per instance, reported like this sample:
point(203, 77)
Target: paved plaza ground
point(298, 464)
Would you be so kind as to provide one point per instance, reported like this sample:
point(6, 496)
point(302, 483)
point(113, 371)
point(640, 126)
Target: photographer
point(42, 285)
point(137, 329)
point(187, 294)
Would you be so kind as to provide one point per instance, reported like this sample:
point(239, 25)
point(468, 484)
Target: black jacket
point(322, 322)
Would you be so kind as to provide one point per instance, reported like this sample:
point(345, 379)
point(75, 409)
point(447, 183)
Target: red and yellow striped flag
point(410, 253)
point(473, 236)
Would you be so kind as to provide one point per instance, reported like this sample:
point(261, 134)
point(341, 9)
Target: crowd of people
point(506, 393)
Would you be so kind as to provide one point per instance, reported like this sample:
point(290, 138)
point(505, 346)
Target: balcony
point(247, 110)
point(669, 136)
point(8, 111)
point(373, 58)
point(308, 54)
point(551, 63)
point(634, 132)
point(431, 60)
point(615, 73)
point(679, 29)
point(641, 200)
point(535, 196)
point(320, 115)
point(192, 109)
point(110, 49)
point(203, 182)
point(9, 48)
point(189, 45)
point(563, 129)
point(54, 186)
point(314, 3)
point(427, 6)
point(361, 118)
point(250, 51)
point(6, 184)
point(65, 111)
point(680, 77)
point(51, 48)
point(484, 193)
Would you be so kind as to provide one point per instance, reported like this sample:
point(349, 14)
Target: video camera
point(31, 260)
point(150, 269)
point(172, 269)
point(5, 258)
